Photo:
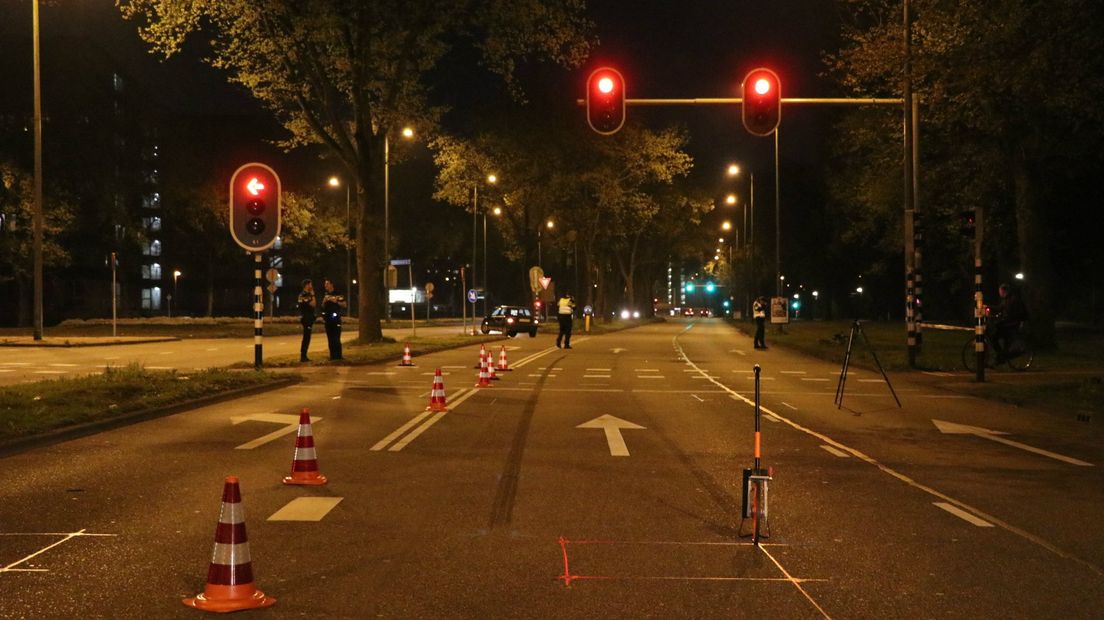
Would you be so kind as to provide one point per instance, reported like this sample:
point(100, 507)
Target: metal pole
point(918, 230)
point(751, 240)
point(386, 221)
point(485, 280)
point(475, 241)
point(349, 251)
point(910, 302)
point(777, 219)
point(38, 209)
point(258, 313)
point(413, 296)
point(114, 300)
point(979, 302)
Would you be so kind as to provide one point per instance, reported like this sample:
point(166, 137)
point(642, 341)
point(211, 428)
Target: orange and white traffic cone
point(406, 361)
point(503, 365)
point(304, 465)
point(484, 375)
point(482, 356)
point(491, 369)
point(230, 584)
point(437, 394)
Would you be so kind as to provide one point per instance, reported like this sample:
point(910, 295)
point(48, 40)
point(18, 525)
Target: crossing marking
point(306, 509)
point(962, 514)
point(816, 379)
point(291, 422)
point(834, 452)
point(596, 376)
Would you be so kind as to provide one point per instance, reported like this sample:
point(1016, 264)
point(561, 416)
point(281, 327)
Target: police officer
point(566, 306)
point(759, 313)
point(307, 303)
point(332, 305)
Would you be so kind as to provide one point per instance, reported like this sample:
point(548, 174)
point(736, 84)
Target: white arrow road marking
point(306, 509)
point(290, 420)
point(962, 514)
point(951, 428)
point(612, 426)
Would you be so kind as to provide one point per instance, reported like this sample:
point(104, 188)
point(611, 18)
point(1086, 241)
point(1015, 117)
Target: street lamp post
point(176, 276)
point(39, 223)
point(749, 231)
point(491, 179)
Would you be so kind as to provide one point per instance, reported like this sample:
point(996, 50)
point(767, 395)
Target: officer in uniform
point(332, 305)
point(566, 306)
point(759, 312)
point(306, 305)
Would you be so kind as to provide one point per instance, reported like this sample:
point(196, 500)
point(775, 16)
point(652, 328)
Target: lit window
point(154, 271)
point(155, 248)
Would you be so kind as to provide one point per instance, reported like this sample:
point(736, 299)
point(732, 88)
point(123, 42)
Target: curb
point(65, 433)
point(112, 343)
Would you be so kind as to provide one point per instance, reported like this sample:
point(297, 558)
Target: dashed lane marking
point(62, 365)
point(7, 370)
point(962, 514)
point(936, 373)
point(212, 349)
point(412, 435)
point(599, 369)
point(646, 370)
point(596, 376)
point(792, 372)
point(650, 377)
point(789, 405)
point(306, 509)
point(50, 372)
point(814, 379)
point(834, 452)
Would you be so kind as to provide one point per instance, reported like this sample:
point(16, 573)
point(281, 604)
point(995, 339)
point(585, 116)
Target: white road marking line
point(962, 514)
point(650, 377)
point(814, 379)
point(944, 396)
point(430, 374)
point(871, 380)
point(381, 444)
point(762, 378)
point(691, 370)
point(402, 443)
point(291, 422)
point(596, 376)
point(792, 372)
point(834, 452)
point(160, 368)
point(789, 405)
point(769, 418)
point(937, 374)
point(62, 365)
point(51, 372)
point(212, 349)
point(15, 364)
point(739, 352)
point(646, 369)
point(535, 374)
point(306, 509)
point(700, 399)
point(454, 367)
point(599, 369)
point(11, 568)
point(7, 370)
point(747, 371)
point(338, 397)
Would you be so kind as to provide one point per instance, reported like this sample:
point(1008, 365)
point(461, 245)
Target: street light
point(176, 276)
point(336, 182)
point(407, 133)
point(727, 225)
point(730, 199)
point(549, 225)
point(491, 180)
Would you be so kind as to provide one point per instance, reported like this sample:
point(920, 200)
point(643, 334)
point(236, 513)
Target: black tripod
point(856, 326)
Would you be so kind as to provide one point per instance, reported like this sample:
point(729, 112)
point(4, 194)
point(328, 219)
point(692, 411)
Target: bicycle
point(1019, 354)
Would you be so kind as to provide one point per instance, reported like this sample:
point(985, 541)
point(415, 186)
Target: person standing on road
point(307, 303)
point(566, 309)
point(332, 305)
point(759, 313)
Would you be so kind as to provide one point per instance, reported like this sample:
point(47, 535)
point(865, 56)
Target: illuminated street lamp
point(730, 199)
point(726, 225)
point(176, 276)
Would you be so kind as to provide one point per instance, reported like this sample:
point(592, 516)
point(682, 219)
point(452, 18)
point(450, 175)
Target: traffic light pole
point(258, 311)
point(979, 301)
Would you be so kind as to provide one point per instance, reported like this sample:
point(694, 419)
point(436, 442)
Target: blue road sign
point(472, 295)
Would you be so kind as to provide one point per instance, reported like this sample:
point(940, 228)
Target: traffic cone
point(482, 356)
point(503, 365)
point(406, 361)
point(437, 394)
point(484, 375)
point(304, 465)
point(491, 369)
point(230, 584)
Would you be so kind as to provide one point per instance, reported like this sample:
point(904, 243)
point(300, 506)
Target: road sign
point(612, 426)
point(535, 274)
point(472, 295)
point(399, 262)
point(545, 281)
point(429, 287)
point(271, 275)
point(272, 288)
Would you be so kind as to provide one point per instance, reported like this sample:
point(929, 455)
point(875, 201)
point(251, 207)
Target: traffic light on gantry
point(255, 207)
point(605, 101)
point(762, 102)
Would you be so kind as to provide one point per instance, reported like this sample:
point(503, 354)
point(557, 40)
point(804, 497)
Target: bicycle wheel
point(969, 355)
point(1022, 356)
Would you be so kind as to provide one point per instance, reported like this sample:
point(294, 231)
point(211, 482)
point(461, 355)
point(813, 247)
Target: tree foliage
point(347, 74)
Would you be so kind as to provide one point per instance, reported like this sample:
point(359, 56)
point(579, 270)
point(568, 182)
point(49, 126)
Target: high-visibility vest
point(566, 305)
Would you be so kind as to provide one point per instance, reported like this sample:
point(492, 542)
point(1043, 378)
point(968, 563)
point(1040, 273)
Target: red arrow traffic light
point(255, 207)
point(605, 101)
point(762, 109)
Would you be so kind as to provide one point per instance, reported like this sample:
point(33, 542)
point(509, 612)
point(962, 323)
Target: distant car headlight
point(636, 315)
point(624, 314)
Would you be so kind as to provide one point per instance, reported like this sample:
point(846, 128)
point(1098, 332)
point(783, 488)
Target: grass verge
point(194, 327)
point(32, 408)
point(387, 349)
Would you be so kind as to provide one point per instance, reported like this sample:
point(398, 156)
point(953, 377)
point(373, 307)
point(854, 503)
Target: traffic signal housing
point(605, 101)
point(762, 101)
point(255, 207)
point(968, 224)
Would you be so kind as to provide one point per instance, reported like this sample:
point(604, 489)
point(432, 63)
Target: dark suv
point(511, 320)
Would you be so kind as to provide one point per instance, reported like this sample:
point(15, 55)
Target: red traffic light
point(605, 101)
point(255, 207)
point(762, 95)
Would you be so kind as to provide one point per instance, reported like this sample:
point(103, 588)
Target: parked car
point(511, 320)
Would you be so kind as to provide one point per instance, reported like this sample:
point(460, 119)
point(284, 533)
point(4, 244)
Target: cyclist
point(1006, 321)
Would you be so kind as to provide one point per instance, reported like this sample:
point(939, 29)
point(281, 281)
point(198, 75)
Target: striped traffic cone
point(437, 394)
point(482, 356)
point(503, 365)
point(491, 369)
point(406, 361)
point(484, 375)
point(230, 584)
point(304, 465)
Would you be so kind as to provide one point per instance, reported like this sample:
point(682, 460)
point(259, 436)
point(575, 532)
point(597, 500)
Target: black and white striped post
point(979, 302)
point(258, 311)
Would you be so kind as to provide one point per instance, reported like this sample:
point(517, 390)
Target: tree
point(1009, 96)
point(347, 74)
point(16, 233)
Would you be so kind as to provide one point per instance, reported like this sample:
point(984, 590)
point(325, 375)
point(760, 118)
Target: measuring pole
point(413, 295)
point(979, 304)
point(757, 453)
point(258, 312)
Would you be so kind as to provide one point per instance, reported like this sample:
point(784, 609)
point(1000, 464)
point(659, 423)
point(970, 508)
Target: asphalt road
point(505, 508)
point(22, 364)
